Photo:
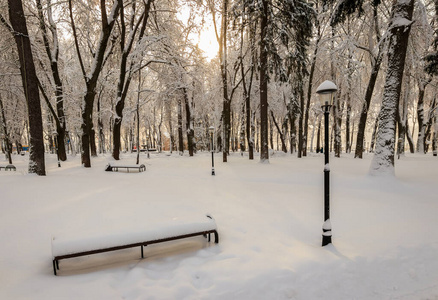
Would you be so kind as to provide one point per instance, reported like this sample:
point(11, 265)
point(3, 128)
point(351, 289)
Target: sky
point(206, 40)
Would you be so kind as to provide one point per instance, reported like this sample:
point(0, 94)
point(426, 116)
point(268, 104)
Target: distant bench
point(116, 168)
point(67, 247)
point(8, 168)
point(145, 150)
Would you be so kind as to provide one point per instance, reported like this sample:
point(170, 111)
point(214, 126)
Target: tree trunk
point(300, 95)
point(429, 124)
point(100, 126)
point(264, 126)
point(242, 129)
point(318, 136)
point(348, 133)
point(5, 132)
point(93, 148)
point(348, 103)
point(403, 113)
point(137, 161)
point(420, 118)
point(189, 123)
point(373, 136)
point(180, 128)
point(271, 135)
point(435, 133)
point(360, 138)
point(292, 107)
point(30, 84)
point(383, 160)
point(283, 142)
point(337, 119)
point(309, 90)
point(409, 138)
point(226, 111)
point(247, 90)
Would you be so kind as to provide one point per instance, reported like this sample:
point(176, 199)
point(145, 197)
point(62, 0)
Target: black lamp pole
point(211, 129)
point(326, 92)
point(326, 228)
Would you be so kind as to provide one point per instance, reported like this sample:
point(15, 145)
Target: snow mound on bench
point(73, 243)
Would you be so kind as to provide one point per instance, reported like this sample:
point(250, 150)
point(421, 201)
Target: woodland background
point(92, 77)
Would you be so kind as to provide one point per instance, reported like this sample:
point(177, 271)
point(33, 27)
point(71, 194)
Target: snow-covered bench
point(74, 246)
point(116, 168)
point(9, 168)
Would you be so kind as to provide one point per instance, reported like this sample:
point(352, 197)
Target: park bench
point(64, 247)
point(8, 168)
point(115, 168)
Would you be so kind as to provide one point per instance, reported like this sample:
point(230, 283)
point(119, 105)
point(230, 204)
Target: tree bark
point(30, 84)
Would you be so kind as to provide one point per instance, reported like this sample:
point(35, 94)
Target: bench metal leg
point(142, 256)
point(216, 237)
point(55, 263)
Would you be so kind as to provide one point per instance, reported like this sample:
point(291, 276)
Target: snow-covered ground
point(269, 216)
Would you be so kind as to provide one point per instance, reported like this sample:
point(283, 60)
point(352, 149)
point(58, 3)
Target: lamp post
point(326, 92)
point(211, 130)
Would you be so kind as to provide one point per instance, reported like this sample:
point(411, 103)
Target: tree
point(90, 79)
point(340, 14)
point(53, 56)
point(125, 76)
point(283, 24)
point(30, 86)
point(399, 29)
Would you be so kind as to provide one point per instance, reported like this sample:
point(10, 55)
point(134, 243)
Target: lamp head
point(326, 93)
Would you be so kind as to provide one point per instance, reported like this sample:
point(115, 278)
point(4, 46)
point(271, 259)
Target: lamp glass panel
point(326, 98)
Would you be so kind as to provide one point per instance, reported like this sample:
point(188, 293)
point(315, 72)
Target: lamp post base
point(326, 233)
point(326, 240)
point(212, 172)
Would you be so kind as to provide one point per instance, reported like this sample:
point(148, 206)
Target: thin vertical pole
point(212, 153)
point(326, 228)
